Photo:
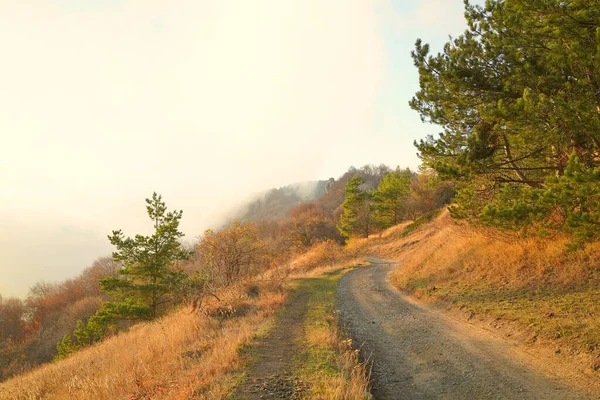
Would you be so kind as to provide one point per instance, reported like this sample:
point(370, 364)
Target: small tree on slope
point(148, 281)
point(390, 196)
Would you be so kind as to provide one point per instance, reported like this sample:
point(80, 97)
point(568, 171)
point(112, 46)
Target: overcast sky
point(103, 102)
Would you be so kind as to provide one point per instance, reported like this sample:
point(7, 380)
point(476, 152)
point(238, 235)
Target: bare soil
point(270, 375)
point(417, 352)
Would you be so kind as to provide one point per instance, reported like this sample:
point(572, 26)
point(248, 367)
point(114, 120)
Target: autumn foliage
point(142, 281)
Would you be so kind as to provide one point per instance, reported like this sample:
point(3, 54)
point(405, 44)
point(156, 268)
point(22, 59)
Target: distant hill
point(335, 189)
point(277, 203)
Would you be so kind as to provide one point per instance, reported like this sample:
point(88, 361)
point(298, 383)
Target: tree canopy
point(232, 253)
point(356, 219)
point(390, 197)
point(518, 98)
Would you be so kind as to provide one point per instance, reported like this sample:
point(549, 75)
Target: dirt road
point(419, 353)
point(270, 375)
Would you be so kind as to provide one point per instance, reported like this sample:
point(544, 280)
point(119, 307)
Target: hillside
point(286, 227)
point(278, 202)
point(534, 290)
point(206, 353)
point(475, 276)
point(532, 293)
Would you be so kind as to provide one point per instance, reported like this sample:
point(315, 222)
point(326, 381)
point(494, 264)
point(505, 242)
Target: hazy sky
point(103, 102)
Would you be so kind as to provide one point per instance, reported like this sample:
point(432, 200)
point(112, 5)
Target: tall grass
point(185, 354)
point(182, 355)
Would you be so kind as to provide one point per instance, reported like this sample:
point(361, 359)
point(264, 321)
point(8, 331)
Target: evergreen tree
point(356, 219)
point(65, 347)
point(518, 96)
point(148, 280)
point(390, 196)
point(148, 283)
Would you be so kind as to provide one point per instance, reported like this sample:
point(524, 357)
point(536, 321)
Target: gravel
point(416, 353)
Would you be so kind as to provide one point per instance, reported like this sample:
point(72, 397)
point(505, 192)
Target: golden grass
point(537, 283)
point(326, 254)
point(534, 283)
point(179, 356)
point(183, 355)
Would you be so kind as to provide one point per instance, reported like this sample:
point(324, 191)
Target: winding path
point(270, 375)
point(419, 353)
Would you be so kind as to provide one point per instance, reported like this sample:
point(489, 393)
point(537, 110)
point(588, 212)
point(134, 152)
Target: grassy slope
point(552, 295)
point(182, 355)
point(188, 355)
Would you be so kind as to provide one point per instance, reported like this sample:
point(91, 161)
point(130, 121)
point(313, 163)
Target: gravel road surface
point(419, 353)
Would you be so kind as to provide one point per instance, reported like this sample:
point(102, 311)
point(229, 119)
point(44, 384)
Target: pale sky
point(103, 102)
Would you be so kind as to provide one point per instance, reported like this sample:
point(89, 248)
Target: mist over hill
point(278, 202)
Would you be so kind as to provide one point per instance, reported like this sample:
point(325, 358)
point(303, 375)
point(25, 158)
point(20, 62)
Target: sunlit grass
point(182, 355)
point(550, 292)
point(327, 359)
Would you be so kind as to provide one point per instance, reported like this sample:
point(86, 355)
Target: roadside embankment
point(535, 291)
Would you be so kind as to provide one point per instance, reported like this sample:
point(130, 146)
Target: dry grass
point(327, 359)
point(552, 293)
point(183, 355)
point(533, 283)
point(179, 356)
point(326, 254)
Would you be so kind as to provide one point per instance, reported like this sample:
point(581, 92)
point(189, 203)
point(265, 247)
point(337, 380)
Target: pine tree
point(517, 95)
point(356, 219)
point(390, 196)
point(147, 284)
point(148, 280)
point(65, 347)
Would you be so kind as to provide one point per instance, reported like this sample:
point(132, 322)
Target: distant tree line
point(400, 195)
point(30, 328)
point(277, 203)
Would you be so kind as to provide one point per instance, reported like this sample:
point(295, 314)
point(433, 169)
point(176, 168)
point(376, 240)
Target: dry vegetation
point(326, 360)
point(187, 354)
point(182, 355)
point(552, 294)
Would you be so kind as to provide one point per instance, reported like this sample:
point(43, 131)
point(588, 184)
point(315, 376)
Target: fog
point(207, 102)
